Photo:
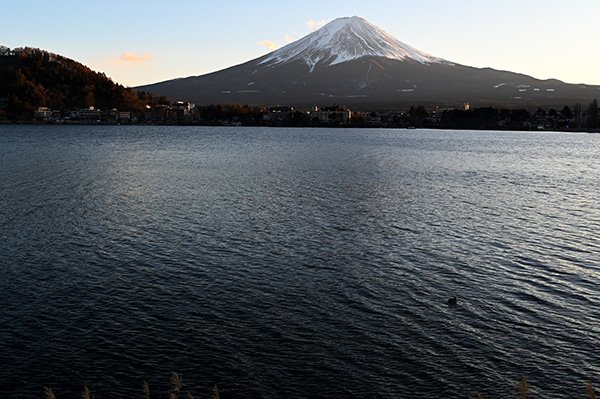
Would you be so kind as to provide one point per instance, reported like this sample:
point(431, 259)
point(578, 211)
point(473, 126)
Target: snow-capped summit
point(346, 39)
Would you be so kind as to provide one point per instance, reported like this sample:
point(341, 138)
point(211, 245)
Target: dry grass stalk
point(523, 389)
point(215, 393)
point(49, 394)
point(86, 393)
point(176, 383)
point(589, 391)
point(145, 390)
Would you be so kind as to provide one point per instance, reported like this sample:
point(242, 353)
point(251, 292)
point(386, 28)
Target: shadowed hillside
point(31, 78)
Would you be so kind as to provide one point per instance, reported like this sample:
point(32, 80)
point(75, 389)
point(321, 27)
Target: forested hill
point(30, 78)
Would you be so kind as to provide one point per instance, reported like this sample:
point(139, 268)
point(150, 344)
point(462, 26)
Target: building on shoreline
point(466, 117)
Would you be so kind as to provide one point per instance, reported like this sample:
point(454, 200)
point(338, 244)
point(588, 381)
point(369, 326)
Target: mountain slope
point(352, 62)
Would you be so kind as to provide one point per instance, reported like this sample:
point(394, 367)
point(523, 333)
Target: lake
point(297, 263)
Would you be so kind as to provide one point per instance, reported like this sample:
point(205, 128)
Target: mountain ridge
point(352, 62)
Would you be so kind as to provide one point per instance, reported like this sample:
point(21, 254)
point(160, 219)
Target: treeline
point(249, 115)
point(31, 78)
point(579, 117)
point(226, 112)
point(576, 117)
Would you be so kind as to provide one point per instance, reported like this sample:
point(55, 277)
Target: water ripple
point(297, 263)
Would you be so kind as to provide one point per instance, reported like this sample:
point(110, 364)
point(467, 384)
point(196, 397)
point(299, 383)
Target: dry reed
point(48, 393)
point(589, 391)
point(86, 393)
point(522, 390)
point(176, 384)
point(145, 390)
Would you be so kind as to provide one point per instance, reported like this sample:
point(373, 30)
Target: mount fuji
point(343, 40)
point(352, 62)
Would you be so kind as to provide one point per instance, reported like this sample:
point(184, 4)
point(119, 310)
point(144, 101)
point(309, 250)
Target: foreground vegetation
point(522, 391)
point(176, 391)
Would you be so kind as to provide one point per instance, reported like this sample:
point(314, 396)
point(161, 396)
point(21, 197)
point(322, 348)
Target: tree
point(592, 115)
point(566, 113)
point(418, 112)
point(577, 115)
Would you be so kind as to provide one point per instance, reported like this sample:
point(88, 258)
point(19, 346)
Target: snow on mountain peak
point(346, 39)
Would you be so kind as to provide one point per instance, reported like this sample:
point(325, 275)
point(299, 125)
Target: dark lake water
point(298, 263)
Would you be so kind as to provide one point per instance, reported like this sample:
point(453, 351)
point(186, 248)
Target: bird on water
point(452, 301)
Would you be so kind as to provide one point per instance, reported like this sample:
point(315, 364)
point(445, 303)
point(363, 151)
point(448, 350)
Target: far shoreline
point(350, 126)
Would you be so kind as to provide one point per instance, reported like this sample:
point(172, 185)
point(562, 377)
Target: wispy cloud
point(270, 44)
point(133, 58)
point(313, 25)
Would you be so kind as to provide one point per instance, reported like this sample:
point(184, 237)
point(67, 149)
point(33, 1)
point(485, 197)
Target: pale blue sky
point(136, 42)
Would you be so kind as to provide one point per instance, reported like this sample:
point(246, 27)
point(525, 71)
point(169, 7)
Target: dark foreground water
point(298, 263)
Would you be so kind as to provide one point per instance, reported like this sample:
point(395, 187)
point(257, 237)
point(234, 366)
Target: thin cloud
point(135, 58)
point(313, 25)
point(270, 44)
